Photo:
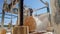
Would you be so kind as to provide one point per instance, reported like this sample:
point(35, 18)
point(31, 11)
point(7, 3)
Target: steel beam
point(21, 12)
point(2, 22)
point(9, 15)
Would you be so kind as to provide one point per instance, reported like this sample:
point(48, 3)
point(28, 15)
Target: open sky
point(34, 4)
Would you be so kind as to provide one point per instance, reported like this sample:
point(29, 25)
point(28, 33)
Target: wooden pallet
point(20, 30)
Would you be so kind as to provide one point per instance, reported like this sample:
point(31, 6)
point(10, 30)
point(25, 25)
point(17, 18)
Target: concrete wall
point(55, 16)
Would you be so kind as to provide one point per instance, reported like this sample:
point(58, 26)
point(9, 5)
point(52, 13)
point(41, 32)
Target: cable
point(39, 8)
point(46, 3)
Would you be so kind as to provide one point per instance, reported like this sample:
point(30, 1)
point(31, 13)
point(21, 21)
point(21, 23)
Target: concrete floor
point(44, 33)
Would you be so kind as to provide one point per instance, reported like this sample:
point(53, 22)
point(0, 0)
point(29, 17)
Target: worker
point(31, 11)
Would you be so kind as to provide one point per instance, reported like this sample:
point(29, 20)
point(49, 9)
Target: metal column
point(2, 22)
point(21, 12)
